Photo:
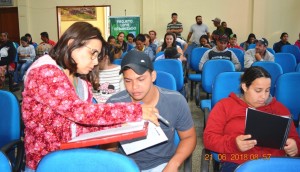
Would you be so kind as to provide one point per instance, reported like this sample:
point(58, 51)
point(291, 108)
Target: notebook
point(128, 131)
point(268, 129)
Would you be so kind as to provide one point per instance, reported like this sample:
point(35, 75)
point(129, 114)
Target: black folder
point(268, 129)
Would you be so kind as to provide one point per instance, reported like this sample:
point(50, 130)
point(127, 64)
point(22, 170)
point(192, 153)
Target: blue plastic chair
point(224, 84)
point(274, 70)
point(195, 58)
point(10, 129)
point(117, 61)
point(287, 62)
point(271, 50)
point(270, 164)
point(188, 162)
point(210, 71)
point(174, 67)
point(251, 46)
point(165, 80)
point(298, 67)
point(123, 54)
point(240, 55)
point(288, 93)
point(78, 160)
point(5, 165)
point(159, 54)
point(293, 50)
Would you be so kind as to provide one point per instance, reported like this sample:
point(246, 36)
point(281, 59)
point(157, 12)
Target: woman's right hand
point(243, 144)
point(149, 114)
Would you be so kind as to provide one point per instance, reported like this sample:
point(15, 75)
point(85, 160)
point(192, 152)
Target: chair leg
point(191, 89)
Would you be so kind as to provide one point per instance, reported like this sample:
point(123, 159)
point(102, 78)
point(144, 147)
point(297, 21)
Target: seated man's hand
point(290, 147)
point(243, 144)
point(149, 113)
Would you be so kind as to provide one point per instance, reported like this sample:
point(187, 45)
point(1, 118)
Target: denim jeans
point(156, 169)
point(228, 166)
point(23, 68)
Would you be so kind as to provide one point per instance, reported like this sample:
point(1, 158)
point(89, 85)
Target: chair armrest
point(15, 159)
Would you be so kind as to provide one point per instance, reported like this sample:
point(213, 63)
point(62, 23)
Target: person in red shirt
point(45, 39)
point(224, 132)
point(232, 43)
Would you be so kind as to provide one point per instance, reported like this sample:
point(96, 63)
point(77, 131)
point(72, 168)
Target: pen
point(162, 119)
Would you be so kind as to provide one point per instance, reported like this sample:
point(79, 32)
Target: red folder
point(107, 139)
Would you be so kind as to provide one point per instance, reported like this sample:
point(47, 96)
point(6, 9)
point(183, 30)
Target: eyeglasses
point(95, 53)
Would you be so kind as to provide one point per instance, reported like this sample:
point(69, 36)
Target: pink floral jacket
point(52, 112)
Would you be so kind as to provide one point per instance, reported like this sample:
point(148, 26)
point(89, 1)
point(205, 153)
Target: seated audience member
point(26, 54)
point(111, 40)
point(228, 31)
point(139, 75)
point(111, 82)
point(182, 44)
point(233, 42)
point(140, 46)
point(169, 41)
point(149, 44)
point(130, 41)
point(284, 40)
point(297, 43)
point(121, 42)
point(42, 49)
point(219, 28)
point(259, 53)
point(224, 132)
point(7, 55)
point(220, 51)
point(28, 36)
point(57, 98)
point(171, 53)
point(251, 40)
point(204, 42)
point(45, 39)
point(152, 34)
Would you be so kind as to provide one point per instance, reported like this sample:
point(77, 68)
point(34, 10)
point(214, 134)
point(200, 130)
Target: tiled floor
point(198, 121)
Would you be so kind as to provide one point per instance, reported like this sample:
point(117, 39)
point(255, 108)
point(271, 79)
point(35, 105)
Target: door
point(9, 22)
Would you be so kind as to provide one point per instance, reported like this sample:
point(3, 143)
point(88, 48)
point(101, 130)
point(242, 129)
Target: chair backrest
point(298, 67)
point(293, 50)
point(271, 50)
point(271, 164)
point(165, 80)
point(287, 62)
point(174, 67)
point(288, 93)
point(5, 165)
point(117, 61)
point(274, 70)
point(78, 160)
point(251, 46)
point(211, 69)
point(10, 120)
point(196, 56)
point(240, 55)
point(224, 84)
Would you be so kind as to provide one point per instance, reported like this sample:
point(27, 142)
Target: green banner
point(126, 24)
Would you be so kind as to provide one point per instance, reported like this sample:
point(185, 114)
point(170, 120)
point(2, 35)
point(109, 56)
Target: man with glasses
point(220, 51)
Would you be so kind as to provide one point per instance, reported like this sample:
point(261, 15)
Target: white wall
point(267, 18)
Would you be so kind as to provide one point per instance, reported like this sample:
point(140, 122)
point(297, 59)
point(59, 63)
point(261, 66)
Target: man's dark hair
point(45, 34)
point(174, 14)
point(197, 17)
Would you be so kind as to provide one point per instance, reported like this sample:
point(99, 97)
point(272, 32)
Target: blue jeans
point(23, 68)
point(156, 169)
point(228, 166)
point(28, 169)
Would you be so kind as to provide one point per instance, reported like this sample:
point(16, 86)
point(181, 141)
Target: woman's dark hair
point(24, 38)
point(79, 33)
point(205, 37)
point(283, 34)
point(251, 35)
point(129, 35)
point(164, 45)
point(28, 35)
point(253, 73)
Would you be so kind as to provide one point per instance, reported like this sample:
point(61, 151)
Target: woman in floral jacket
point(57, 99)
